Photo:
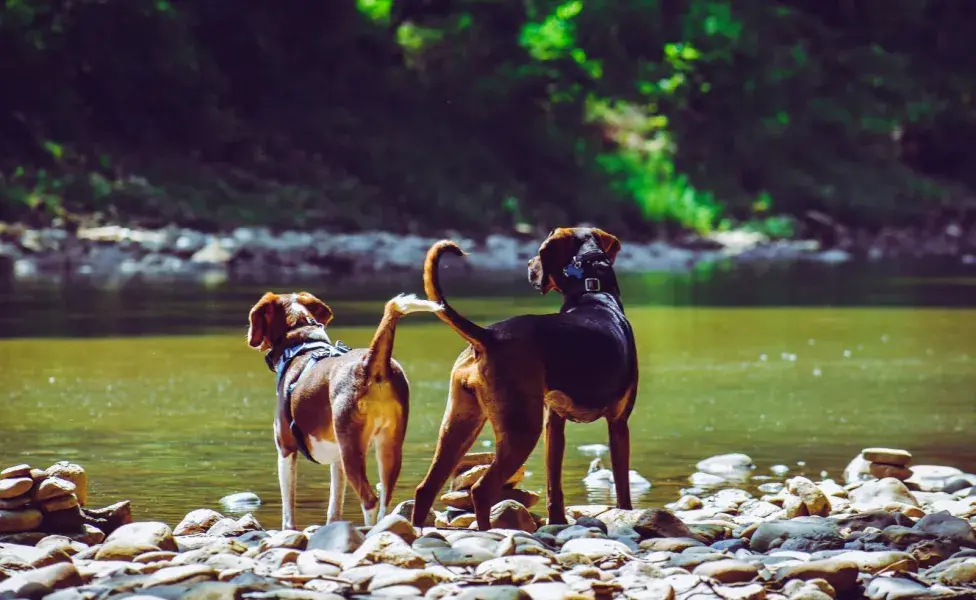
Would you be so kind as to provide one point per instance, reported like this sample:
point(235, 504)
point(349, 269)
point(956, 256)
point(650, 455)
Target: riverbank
point(182, 253)
point(907, 535)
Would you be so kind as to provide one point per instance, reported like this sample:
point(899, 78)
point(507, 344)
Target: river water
point(153, 389)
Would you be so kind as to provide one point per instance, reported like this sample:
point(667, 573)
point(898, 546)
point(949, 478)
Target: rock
point(961, 574)
point(932, 478)
point(15, 503)
point(931, 552)
point(726, 465)
point(840, 574)
point(457, 557)
point(874, 562)
point(110, 518)
point(13, 487)
point(15, 521)
point(422, 580)
point(688, 502)
point(878, 519)
point(517, 570)
point(52, 487)
point(857, 470)
point(808, 534)
point(493, 592)
point(144, 534)
point(123, 550)
point(509, 514)
point(597, 549)
point(462, 499)
point(468, 478)
point(15, 472)
point(73, 473)
point(660, 523)
point(958, 484)
point(798, 589)
point(876, 494)
point(197, 522)
point(241, 502)
point(890, 456)
point(397, 525)
point(68, 545)
point(553, 590)
point(728, 571)
point(39, 582)
point(882, 471)
point(706, 480)
point(385, 547)
point(948, 527)
point(893, 588)
point(59, 504)
point(181, 574)
point(338, 536)
point(295, 540)
point(810, 495)
point(405, 510)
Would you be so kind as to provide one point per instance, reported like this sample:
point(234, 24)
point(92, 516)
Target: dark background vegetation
point(644, 115)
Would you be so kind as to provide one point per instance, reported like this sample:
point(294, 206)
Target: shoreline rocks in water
point(175, 252)
point(852, 541)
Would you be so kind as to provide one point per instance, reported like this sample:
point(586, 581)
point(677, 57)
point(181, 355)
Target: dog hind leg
point(463, 421)
point(620, 457)
point(353, 443)
point(555, 441)
point(337, 491)
point(287, 476)
point(389, 460)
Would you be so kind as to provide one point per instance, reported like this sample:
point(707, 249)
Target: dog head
point(274, 316)
point(559, 248)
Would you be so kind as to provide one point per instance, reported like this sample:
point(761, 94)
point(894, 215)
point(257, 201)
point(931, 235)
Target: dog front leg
point(620, 457)
point(337, 491)
point(287, 475)
point(555, 426)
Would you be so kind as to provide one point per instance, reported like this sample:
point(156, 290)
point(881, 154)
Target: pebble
point(840, 574)
point(728, 571)
point(890, 456)
point(15, 486)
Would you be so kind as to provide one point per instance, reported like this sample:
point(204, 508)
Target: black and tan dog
point(534, 372)
point(333, 402)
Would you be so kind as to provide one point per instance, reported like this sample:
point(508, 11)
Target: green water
point(115, 379)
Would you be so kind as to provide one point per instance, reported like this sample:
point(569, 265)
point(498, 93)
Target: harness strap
point(319, 350)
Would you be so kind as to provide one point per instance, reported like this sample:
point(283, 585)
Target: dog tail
point(381, 348)
point(470, 331)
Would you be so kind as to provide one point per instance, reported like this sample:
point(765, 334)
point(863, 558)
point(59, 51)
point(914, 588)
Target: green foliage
point(479, 114)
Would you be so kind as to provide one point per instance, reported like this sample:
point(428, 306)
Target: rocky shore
point(910, 533)
point(174, 252)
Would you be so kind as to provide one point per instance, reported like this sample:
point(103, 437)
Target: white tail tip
point(410, 303)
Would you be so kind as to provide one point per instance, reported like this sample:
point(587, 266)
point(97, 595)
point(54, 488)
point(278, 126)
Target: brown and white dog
point(532, 373)
point(334, 402)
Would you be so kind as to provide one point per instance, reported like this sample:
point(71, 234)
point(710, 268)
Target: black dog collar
point(576, 269)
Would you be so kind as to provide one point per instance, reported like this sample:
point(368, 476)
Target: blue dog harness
point(318, 350)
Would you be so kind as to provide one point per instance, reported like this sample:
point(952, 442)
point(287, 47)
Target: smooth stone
point(688, 502)
point(891, 456)
point(806, 534)
point(493, 592)
point(840, 574)
point(660, 523)
point(473, 459)
point(240, 502)
point(15, 472)
point(959, 484)
point(395, 524)
point(597, 549)
point(509, 514)
point(946, 526)
point(812, 498)
point(576, 531)
point(591, 522)
point(882, 471)
point(932, 478)
point(553, 590)
point(587, 510)
point(107, 519)
point(462, 499)
point(17, 486)
point(728, 571)
point(318, 563)
point(471, 476)
point(16, 521)
point(181, 574)
point(669, 544)
point(894, 588)
point(295, 540)
point(154, 557)
point(52, 487)
point(338, 536)
point(405, 510)
point(15, 503)
point(726, 464)
point(145, 534)
point(879, 519)
point(797, 589)
point(703, 481)
point(732, 545)
point(857, 470)
point(875, 494)
point(931, 552)
point(38, 582)
point(269, 561)
point(457, 557)
point(59, 504)
point(197, 521)
point(73, 473)
point(123, 550)
point(873, 562)
point(422, 580)
point(517, 570)
point(962, 574)
point(70, 546)
point(387, 548)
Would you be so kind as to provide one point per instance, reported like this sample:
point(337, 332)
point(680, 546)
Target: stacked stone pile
point(511, 512)
point(37, 502)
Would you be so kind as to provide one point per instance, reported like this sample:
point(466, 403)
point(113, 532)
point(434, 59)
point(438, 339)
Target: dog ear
point(554, 254)
point(608, 243)
point(319, 310)
point(260, 320)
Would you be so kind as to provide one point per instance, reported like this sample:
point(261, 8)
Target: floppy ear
point(554, 254)
point(608, 243)
point(260, 318)
point(319, 310)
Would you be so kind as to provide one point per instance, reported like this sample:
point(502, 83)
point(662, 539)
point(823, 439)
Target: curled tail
point(381, 348)
point(473, 333)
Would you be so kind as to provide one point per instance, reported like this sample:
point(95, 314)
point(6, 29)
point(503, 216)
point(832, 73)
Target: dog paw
point(370, 514)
